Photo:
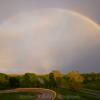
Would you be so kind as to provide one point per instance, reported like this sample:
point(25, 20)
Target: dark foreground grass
point(93, 85)
point(64, 94)
point(17, 96)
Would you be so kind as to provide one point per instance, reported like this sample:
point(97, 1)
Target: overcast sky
point(90, 8)
point(44, 35)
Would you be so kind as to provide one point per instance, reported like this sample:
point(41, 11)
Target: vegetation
point(64, 94)
point(64, 84)
point(75, 80)
point(28, 80)
point(55, 78)
point(17, 96)
point(72, 80)
point(4, 81)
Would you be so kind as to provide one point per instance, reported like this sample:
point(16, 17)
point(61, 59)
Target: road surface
point(42, 94)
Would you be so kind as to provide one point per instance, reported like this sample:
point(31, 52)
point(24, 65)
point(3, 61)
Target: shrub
point(75, 80)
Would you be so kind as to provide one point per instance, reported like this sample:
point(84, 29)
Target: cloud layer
point(44, 40)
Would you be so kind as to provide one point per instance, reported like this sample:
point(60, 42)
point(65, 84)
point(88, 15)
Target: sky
point(88, 8)
point(44, 35)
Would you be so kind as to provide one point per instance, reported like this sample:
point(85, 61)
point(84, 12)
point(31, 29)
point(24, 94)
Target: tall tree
point(29, 80)
point(75, 80)
point(4, 81)
point(55, 78)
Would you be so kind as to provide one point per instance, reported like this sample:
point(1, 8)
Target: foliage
point(55, 78)
point(75, 80)
point(28, 80)
point(4, 81)
point(18, 96)
point(14, 82)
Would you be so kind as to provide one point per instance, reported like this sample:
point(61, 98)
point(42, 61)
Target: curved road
point(42, 94)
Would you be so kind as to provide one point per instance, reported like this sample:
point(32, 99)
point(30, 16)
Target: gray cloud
point(88, 8)
point(44, 40)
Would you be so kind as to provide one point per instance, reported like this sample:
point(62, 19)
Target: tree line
point(72, 80)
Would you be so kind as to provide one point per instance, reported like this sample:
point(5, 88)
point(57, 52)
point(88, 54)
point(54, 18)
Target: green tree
point(4, 81)
point(14, 82)
point(29, 80)
point(55, 78)
point(75, 80)
point(94, 76)
point(44, 81)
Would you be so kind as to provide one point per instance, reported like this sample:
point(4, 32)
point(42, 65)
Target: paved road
point(42, 94)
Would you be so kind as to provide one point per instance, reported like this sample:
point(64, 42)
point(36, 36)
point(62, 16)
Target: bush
point(14, 82)
point(4, 81)
point(75, 80)
point(28, 80)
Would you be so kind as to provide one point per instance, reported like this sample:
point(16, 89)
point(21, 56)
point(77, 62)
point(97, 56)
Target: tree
point(57, 75)
point(63, 83)
point(14, 82)
point(55, 78)
point(29, 80)
point(44, 82)
point(75, 80)
point(94, 76)
point(4, 81)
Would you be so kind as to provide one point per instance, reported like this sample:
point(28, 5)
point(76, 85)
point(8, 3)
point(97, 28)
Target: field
point(17, 96)
point(63, 94)
point(93, 85)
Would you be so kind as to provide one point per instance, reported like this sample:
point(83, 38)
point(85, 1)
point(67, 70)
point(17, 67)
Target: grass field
point(17, 96)
point(64, 94)
point(93, 85)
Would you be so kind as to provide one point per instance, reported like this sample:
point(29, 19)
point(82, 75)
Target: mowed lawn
point(64, 94)
point(17, 96)
point(93, 85)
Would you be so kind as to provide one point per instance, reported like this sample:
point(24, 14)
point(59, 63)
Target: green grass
point(17, 96)
point(69, 95)
point(93, 85)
